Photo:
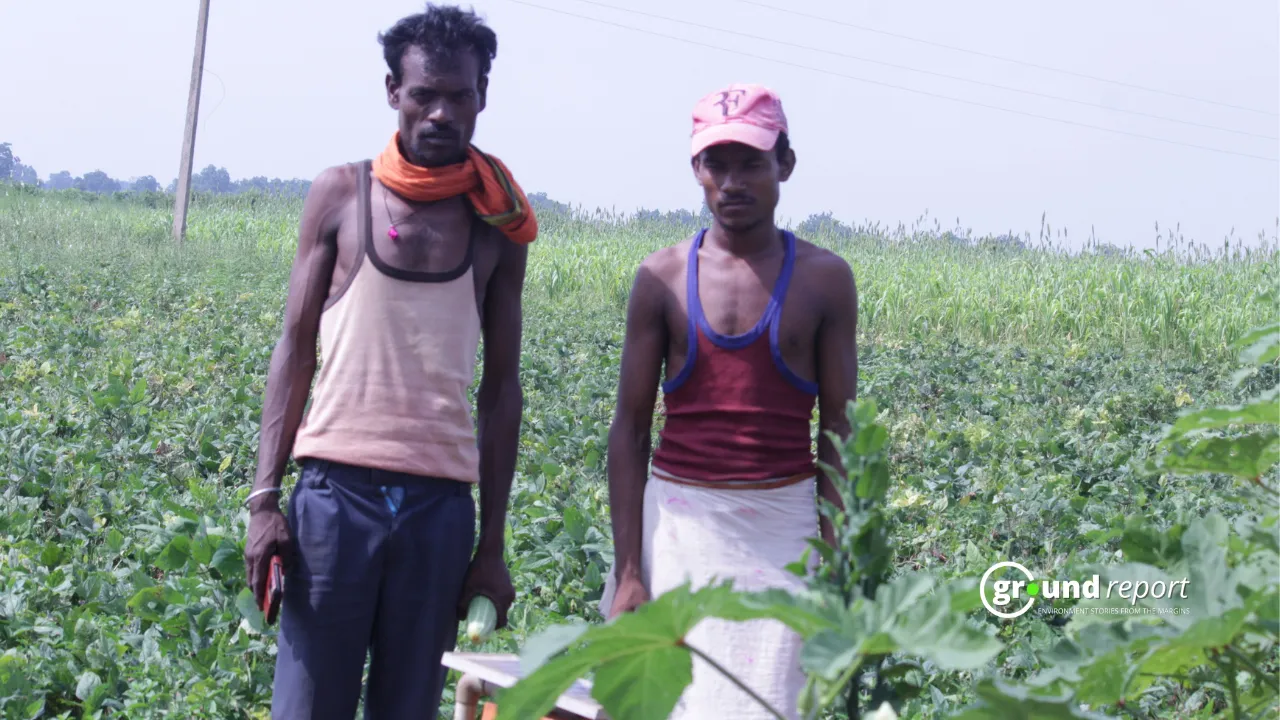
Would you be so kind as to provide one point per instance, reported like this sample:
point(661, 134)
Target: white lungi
point(700, 535)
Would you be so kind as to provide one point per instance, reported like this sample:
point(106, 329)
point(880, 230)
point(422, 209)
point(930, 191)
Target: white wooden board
point(503, 670)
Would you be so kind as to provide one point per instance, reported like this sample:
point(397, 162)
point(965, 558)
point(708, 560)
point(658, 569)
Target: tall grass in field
point(1184, 300)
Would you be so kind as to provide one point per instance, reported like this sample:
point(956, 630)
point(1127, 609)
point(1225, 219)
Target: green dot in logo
point(1033, 589)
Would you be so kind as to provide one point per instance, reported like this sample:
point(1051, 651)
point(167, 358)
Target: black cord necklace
point(391, 229)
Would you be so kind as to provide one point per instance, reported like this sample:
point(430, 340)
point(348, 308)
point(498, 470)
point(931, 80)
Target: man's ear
point(393, 92)
point(787, 166)
point(483, 88)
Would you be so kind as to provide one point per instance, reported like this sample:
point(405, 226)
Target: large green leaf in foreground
point(641, 664)
point(640, 661)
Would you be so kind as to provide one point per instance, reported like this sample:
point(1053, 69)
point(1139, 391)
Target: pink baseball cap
point(744, 113)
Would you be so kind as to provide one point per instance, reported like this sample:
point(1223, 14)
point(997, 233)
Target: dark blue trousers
point(378, 567)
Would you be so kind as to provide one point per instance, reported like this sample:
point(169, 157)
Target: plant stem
point(854, 686)
point(1234, 652)
point(1230, 669)
point(734, 679)
point(849, 673)
point(811, 688)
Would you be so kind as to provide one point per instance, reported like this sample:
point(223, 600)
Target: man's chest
point(741, 307)
point(419, 253)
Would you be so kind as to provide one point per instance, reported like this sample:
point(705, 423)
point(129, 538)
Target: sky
point(596, 113)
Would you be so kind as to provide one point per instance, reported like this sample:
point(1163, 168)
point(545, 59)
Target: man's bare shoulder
point(822, 268)
point(658, 275)
point(512, 258)
point(665, 265)
point(334, 185)
point(325, 206)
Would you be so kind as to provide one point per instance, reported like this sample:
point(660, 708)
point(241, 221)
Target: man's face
point(740, 183)
point(438, 99)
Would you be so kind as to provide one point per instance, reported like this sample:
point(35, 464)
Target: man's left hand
point(488, 576)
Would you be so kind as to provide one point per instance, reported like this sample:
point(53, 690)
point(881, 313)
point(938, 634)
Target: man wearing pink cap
point(754, 326)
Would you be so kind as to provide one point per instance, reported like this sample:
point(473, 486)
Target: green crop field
point(1023, 390)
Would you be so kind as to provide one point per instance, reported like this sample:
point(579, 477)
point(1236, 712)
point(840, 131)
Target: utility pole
point(183, 194)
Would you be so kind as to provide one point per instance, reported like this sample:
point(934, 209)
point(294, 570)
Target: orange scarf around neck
point(484, 179)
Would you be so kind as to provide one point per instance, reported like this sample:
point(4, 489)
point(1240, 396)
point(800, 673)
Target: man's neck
point(760, 239)
point(418, 162)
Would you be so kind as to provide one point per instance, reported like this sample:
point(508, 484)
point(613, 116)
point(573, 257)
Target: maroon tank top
point(736, 411)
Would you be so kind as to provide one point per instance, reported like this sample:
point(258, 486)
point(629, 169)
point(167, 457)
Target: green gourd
point(482, 617)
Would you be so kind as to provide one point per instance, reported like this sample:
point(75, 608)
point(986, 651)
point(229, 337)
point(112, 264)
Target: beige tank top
point(397, 357)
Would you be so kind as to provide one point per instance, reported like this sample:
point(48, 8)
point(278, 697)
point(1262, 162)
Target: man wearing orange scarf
point(403, 264)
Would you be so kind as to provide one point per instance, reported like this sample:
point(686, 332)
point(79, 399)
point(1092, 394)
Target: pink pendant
point(391, 232)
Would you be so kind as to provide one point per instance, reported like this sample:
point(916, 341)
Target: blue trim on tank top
point(768, 320)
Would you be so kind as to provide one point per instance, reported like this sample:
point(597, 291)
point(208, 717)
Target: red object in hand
point(275, 590)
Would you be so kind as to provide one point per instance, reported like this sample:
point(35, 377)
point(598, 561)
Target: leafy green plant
point(856, 621)
point(1018, 389)
point(853, 617)
point(1217, 651)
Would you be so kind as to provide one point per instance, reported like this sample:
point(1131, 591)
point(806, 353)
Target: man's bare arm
point(500, 399)
point(837, 356)
point(293, 362)
point(643, 349)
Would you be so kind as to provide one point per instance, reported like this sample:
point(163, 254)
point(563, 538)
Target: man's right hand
point(630, 595)
point(293, 366)
point(268, 536)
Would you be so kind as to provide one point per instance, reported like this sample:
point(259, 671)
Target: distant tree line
point(212, 179)
point(216, 180)
point(12, 169)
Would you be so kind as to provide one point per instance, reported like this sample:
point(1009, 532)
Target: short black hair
point(782, 146)
point(442, 31)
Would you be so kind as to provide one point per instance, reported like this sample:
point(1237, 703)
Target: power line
point(930, 72)
point(223, 85)
point(1006, 59)
point(889, 85)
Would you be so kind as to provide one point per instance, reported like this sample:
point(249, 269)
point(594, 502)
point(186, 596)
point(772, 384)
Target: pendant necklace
point(391, 229)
